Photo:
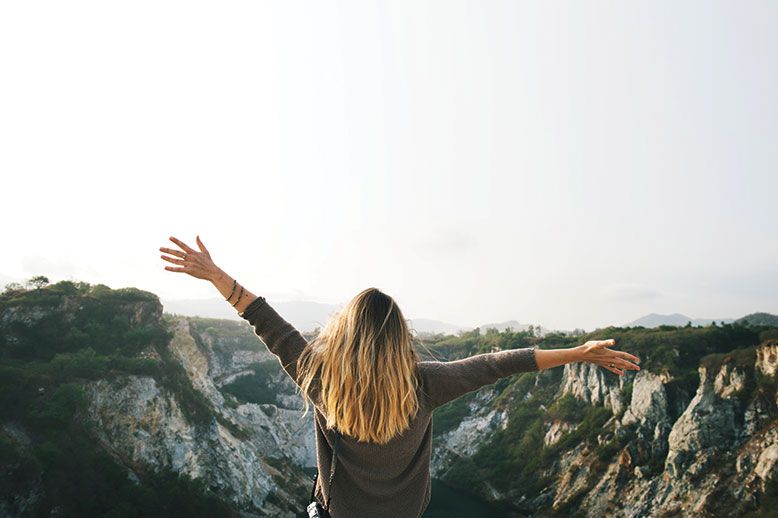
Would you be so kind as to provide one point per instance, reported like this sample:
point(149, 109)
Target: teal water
point(447, 502)
point(452, 503)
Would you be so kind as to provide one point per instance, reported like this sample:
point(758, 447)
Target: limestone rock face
point(767, 358)
point(594, 385)
point(555, 430)
point(675, 449)
point(466, 438)
point(142, 423)
point(648, 405)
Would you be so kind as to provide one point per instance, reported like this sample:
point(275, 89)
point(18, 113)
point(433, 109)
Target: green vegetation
point(254, 388)
point(225, 336)
point(514, 459)
point(768, 503)
point(66, 317)
point(56, 338)
point(448, 416)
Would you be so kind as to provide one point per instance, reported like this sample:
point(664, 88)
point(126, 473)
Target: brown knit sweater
point(390, 480)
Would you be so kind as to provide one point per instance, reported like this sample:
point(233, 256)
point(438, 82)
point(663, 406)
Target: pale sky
point(570, 164)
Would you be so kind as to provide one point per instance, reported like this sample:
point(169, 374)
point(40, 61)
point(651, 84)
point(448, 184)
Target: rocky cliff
point(99, 383)
point(654, 444)
point(143, 425)
point(150, 393)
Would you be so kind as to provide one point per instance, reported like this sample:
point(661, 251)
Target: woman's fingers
point(624, 364)
point(183, 245)
point(174, 269)
point(617, 360)
point(171, 260)
point(614, 369)
point(202, 246)
point(616, 365)
point(627, 356)
point(171, 251)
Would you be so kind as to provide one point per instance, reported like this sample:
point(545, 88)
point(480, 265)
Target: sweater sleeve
point(445, 381)
point(280, 337)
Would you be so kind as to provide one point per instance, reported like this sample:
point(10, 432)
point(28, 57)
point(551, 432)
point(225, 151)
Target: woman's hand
point(597, 352)
point(197, 264)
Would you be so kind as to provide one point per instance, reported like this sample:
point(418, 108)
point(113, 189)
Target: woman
point(367, 383)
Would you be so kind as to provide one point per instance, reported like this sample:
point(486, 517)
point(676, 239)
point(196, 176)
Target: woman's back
point(391, 479)
point(373, 479)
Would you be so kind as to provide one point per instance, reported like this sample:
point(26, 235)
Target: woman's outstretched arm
point(550, 358)
point(445, 381)
point(280, 337)
point(224, 284)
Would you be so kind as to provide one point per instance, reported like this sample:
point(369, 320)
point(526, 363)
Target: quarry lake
point(451, 503)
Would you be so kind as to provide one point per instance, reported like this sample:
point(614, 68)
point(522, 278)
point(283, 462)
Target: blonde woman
point(370, 390)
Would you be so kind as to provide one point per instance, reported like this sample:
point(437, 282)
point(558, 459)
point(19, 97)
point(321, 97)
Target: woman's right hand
point(197, 264)
point(597, 352)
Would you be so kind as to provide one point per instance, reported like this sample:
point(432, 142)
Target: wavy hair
point(363, 364)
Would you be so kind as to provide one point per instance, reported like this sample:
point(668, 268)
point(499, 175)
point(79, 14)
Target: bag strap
point(332, 472)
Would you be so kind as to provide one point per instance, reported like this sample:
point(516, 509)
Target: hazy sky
point(572, 164)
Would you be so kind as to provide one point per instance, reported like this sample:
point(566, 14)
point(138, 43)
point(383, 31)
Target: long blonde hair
point(364, 364)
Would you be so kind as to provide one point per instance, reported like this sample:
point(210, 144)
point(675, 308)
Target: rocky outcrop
point(469, 435)
point(555, 429)
point(675, 452)
point(590, 383)
point(143, 425)
point(767, 358)
point(648, 404)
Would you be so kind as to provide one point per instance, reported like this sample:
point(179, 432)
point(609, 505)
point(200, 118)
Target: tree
point(37, 282)
point(12, 287)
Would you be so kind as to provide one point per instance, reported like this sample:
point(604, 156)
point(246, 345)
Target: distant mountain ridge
point(759, 319)
point(304, 315)
point(307, 316)
point(431, 326)
point(674, 319)
point(515, 326)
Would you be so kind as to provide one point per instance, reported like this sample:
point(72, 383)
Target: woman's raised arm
point(280, 337)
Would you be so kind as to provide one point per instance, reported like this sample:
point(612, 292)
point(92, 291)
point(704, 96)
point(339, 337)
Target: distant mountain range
point(307, 316)
point(677, 319)
point(514, 326)
point(430, 326)
point(674, 319)
point(304, 315)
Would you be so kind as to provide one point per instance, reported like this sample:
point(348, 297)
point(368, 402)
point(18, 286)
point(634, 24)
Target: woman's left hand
point(597, 352)
point(197, 264)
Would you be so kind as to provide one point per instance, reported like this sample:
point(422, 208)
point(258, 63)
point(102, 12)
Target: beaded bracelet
point(239, 296)
point(234, 282)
